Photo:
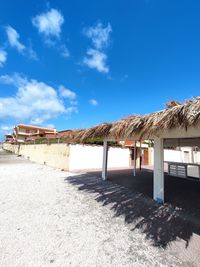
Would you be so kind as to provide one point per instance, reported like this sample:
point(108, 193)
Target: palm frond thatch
point(101, 130)
point(176, 115)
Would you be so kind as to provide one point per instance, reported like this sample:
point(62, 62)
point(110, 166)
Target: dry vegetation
point(176, 115)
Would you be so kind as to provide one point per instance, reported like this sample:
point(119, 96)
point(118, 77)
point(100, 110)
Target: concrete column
point(105, 160)
point(192, 155)
point(158, 178)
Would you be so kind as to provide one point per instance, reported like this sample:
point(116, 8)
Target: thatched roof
point(176, 115)
point(70, 134)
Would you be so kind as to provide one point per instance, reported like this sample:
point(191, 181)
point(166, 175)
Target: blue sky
point(73, 64)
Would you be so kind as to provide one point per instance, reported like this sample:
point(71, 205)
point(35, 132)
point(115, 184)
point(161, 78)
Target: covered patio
point(137, 194)
point(179, 121)
point(182, 194)
point(179, 192)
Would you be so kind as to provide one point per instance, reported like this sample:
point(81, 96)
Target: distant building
point(9, 138)
point(23, 133)
point(142, 153)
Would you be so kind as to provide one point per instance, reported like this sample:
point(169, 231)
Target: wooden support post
point(135, 153)
point(105, 160)
point(158, 179)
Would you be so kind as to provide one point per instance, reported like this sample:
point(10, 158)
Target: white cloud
point(6, 128)
point(93, 102)
point(49, 23)
point(35, 101)
point(3, 57)
point(15, 80)
point(64, 51)
point(50, 125)
point(13, 39)
point(99, 35)
point(37, 121)
point(72, 109)
point(66, 93)
point(32, 54)
point(96, 59)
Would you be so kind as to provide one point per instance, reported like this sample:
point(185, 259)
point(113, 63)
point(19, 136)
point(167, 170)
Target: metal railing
point(183, 170)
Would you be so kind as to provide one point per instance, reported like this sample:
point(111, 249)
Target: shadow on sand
point(161, 224)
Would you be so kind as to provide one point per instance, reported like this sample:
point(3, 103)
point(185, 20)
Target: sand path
point(46, 221)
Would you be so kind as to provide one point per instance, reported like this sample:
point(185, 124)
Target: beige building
point(24, 132)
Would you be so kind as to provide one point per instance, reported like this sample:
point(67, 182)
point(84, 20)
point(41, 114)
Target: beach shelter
point(179, 121)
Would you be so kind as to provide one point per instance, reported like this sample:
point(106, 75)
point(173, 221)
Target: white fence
point(178, 155)
point(90, 157)
point(172, 155)
point(72, 157)
point(77, 157)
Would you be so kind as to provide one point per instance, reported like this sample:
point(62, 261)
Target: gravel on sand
point(46, 221)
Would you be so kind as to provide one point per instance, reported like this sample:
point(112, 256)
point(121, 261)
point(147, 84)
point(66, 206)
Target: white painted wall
point(118, 157)
point(177, 156)
point(172, 155)
point(196, 157)
point(72, 157)
point(90, 157)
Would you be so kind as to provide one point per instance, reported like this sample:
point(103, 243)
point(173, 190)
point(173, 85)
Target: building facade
point(23, 133)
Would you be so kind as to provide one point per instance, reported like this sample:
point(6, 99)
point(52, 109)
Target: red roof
point(36, 127)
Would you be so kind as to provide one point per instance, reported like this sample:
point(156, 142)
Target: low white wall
point(77, 157)
point(118, 157)
point(172, 155)
point(197, 157)
point(178, 155)
point(90, 157)
point(72, 157)
point(55, 155)
point(10, 147)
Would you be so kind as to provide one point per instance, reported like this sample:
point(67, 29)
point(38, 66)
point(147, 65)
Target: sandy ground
point(46, 221)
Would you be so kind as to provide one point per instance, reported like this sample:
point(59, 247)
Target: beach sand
point(47, 221)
